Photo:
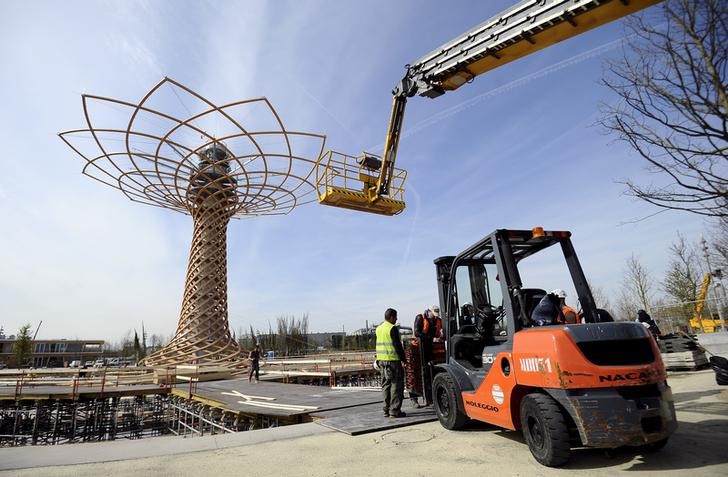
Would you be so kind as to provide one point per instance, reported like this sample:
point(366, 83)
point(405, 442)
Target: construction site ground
point(699, 447)
point(278, 399)
point(351, 410)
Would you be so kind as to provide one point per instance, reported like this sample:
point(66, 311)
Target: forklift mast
point(504, 249)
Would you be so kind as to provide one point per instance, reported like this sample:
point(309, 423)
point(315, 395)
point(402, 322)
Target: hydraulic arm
point(518, 31)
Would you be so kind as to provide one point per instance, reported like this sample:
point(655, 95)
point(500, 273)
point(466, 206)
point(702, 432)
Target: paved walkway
point(698, 448)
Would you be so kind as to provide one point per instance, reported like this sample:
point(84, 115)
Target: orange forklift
point(595, 384)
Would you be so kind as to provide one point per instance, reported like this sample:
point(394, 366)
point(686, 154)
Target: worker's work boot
point(397, 414)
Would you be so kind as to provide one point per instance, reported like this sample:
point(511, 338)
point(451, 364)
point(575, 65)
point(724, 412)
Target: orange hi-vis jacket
point(567, 309)
point(426, 323)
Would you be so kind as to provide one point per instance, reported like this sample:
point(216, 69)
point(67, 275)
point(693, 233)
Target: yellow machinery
point(706, 325)
point(528, 26)
point(348, 182)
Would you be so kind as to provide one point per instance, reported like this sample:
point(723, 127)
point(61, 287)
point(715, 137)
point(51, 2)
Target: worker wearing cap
point(647, 321)
point(467, 315)
point(428, 324)
point(568, 314)
point(390, 359)
point(549, 310)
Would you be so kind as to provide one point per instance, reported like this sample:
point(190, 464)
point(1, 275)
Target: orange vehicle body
point(597, 383)
point(554, 362)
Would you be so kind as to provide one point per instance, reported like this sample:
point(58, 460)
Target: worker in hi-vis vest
point(390, 359)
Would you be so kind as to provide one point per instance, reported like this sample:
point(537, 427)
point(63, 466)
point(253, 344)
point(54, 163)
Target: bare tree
point(636, 292)
point(683, 274)
point(253, 340)
point(293, 334)
point(284, 324)
point(674, 109)
point(156, 341)
point(600, 297)
point(681, 283)
point(124, 347)
point(720, 244)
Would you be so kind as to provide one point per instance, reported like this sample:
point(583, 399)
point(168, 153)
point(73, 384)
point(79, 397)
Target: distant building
point(53, 353)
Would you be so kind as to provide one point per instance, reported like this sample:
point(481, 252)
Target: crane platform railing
point(350, 182)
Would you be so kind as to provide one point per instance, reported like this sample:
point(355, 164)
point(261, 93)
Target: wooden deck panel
point(278, 399)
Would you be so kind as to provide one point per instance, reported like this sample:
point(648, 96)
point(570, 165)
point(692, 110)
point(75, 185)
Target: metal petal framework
point(173, 161)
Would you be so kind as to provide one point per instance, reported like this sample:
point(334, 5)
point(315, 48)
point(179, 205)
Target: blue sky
point(515, 149)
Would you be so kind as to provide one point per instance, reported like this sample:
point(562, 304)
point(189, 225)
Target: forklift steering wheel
point(486, 317)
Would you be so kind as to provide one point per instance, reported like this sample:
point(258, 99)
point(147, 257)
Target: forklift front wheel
point(446, 395)
point(545, 430)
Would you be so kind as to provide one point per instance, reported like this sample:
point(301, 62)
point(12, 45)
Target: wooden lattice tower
point(214, 163)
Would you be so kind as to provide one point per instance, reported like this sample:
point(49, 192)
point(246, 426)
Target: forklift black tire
point(545, 430)
point(445, 397)
point(655, 446)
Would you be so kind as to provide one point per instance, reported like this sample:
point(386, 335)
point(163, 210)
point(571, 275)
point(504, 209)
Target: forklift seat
point(468, 349)
point(531, 297)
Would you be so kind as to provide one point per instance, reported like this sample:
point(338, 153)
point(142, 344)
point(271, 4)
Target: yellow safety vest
point(385, 345)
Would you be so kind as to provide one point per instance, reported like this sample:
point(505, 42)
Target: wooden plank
point(271, 362)
point(356, 423)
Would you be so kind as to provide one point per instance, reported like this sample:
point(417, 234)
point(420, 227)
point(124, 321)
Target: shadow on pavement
point(691, 402)
point(692, 396)
point(694, 445)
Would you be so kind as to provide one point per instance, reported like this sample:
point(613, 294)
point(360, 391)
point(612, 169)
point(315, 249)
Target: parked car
point(75, 364)
point(100, 363)
point(88, 364)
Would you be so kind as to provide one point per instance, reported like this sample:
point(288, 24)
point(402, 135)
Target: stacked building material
point(720, 366)
point(186, 373)
point(682, 353)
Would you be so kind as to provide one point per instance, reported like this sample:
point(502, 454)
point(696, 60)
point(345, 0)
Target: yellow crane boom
point(706, 325)
point(525, 28)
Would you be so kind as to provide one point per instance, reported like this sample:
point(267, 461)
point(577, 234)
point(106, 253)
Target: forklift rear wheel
point(446, 396)
point(545, 430)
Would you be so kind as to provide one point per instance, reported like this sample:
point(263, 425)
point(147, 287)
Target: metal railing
point(335, 169)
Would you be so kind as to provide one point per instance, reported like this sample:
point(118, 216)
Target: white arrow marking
point(251, 401)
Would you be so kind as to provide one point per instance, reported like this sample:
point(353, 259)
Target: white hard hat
point(559, 293)
point(435, 309)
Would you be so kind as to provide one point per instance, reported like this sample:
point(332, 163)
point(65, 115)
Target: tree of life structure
point(177, 150)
